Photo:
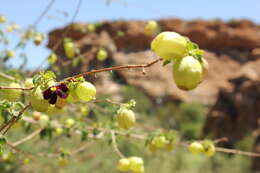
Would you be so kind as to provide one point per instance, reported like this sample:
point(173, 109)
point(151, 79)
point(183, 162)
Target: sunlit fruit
point(29, 83)
point(44, 120)
point(52, 59)
point(136, 164)
point(196, 148)
point(36, 115)
point(86, 91)
point(2, 19)
point(102, 54)
point(123, 165)
point(58, 131)
point(187, 73)
point(37, 101)
point(159, 141)
point(125, 118)
point(209, 148)
point(91, 28)
point(70, 49)
point(69, 122)
point(169, 45)
point(10, 53)
point(12, 94)
point(38, 38)
point(151, 27)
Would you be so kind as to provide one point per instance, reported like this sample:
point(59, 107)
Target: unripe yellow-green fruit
point(52, 59)
point(91, 28)
point(12, 94)
point(58, 131)
point(169, 45)
point(70, 49)
point(102, 54)
point(44, 120)
point(38, 38)
point(151, 28)
point(86, 91)
point(209, 148)
point(196, 148)
point(2, 19)
point(10, 53)
point(159, 141)
point(123, 165)
point(29, 83)
point(72, 97)
point(69, 122)
point(37, 101)
point(84, 110)
point(205, 68)
point(125, 118)
point(136, 164)
point(187, 73)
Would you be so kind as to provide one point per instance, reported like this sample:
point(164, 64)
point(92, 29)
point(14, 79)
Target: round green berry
point(86, 91)
point(187, 73)
point(125, 118)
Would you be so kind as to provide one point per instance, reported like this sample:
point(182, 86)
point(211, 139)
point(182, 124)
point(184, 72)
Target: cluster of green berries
point(206, 147)
point(132, 164)
point(56, 96)
point(189, 67)
point(70, 48)
point(161, 143)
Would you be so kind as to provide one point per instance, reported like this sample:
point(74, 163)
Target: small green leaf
point(166, 62)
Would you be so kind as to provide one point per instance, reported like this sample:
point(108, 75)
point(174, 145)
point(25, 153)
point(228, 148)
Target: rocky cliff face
point(232, 49)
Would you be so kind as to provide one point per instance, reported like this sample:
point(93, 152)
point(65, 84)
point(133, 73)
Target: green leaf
point(166, 62)
point(3, 140)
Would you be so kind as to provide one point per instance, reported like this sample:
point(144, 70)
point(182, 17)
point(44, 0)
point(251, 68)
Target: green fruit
point(2, 19)
point(10, 53)
point(52, 59)
point(84, 110)
point(187, 73)
point(91, 28)
point(136, 164)
point(58, 131)
point(196, 148)
point(37, 101)
point(70, 50)
point(12, 94)
point(159, 141)
point(209, 148)
point(38, 38)
point(151, 28)
point(29, 83)
point(69, 122)
point(102, 54)
point(123, 165)
point(169, 45)
point(44, 120)
point(86, 91)
point(125, 118)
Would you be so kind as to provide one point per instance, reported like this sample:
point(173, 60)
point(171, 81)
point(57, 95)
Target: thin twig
point(233, 151)
point(117, 151)
point(15, 88)
point(122, 67)
point(27, 138)
point(37, 21)
point(5, 127)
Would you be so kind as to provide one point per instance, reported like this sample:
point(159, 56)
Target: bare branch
point(114, 144)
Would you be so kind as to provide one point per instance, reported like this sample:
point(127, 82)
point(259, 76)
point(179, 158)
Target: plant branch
point(114, 144)
point(27, 138)
point(6, 126)
point(11, 88)
point(122, 67)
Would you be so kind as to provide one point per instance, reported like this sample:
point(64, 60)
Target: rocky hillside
point(232, 49)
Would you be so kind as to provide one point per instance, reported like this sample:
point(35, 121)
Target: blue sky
point(25, 12)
